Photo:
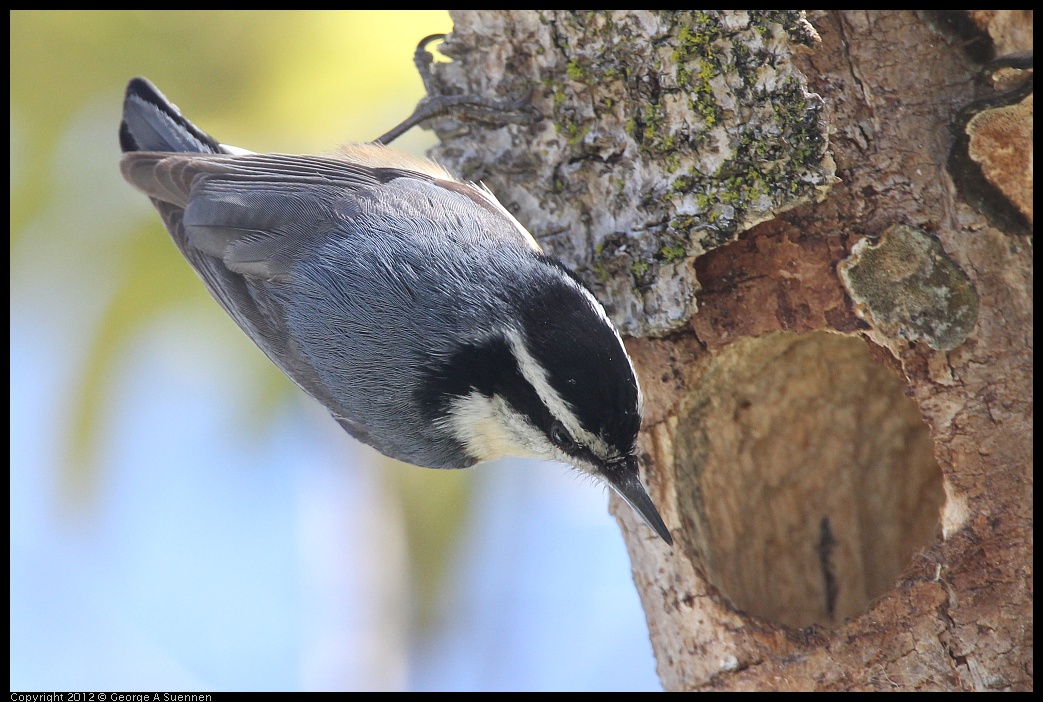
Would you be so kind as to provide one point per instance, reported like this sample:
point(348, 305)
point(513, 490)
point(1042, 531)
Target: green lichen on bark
point(669, 132)
point(908, 288)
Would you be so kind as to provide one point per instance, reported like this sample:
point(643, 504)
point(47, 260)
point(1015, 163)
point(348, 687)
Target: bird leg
point(474, 107)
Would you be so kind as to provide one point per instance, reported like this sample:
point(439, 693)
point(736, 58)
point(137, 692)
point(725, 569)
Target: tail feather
point(153, 123)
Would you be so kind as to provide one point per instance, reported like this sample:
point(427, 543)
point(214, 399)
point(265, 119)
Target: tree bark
point(816, 234)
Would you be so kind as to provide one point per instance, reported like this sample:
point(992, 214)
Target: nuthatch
point(412, 305)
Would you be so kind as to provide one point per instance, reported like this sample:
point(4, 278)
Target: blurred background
point(182, 517)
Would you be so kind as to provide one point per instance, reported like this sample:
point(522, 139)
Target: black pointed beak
point(624, 479)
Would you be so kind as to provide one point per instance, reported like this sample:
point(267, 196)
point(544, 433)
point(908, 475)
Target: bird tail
point(152, 123)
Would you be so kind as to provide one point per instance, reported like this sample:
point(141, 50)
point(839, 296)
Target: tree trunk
point(816, 235)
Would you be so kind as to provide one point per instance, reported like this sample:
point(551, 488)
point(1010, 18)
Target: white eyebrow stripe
point(536, 375)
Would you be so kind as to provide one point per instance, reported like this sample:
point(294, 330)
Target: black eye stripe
point(489, 368)
point(561, 436)
point(585, 361)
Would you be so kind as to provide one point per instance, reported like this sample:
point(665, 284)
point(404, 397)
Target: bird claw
point(512, 110)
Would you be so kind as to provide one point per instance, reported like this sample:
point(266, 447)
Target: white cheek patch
point(489, 429)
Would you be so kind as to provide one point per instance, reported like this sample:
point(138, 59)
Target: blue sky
point(217, 558)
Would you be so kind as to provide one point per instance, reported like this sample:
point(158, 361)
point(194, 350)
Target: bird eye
point(561, 437)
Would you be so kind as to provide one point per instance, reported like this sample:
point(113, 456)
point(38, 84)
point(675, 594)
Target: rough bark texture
point(684, 128)
point(839, 432)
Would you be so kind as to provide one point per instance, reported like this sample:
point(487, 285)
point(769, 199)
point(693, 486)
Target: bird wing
point(243, 221)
